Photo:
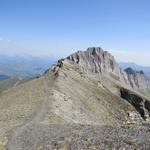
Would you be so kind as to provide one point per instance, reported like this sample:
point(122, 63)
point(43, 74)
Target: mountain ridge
point(72, 108)
point(96, 60)
point(135, 66)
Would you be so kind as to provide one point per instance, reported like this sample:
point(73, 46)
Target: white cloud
point(1, 39)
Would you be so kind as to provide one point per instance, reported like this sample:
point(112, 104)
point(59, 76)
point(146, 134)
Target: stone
point(96, 60)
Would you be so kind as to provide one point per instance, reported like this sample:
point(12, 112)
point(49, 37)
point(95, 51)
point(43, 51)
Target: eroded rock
point(141, 104)
point(96, 60)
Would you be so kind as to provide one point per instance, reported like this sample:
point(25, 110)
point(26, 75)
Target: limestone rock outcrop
point(96, 60)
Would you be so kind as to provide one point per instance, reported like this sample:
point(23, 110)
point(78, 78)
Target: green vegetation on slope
point(6, 84)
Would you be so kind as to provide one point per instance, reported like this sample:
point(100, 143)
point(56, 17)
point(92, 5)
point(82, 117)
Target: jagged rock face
point(137, 79)
point(97, 60)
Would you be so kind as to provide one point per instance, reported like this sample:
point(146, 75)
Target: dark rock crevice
point(140, 104)
point(147, 106)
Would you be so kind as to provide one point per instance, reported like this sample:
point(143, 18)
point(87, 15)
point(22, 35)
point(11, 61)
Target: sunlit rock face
point(96, 60)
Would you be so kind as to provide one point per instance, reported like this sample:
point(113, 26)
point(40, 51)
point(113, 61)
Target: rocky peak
point(130, 71)
point(96, 60)
point(137, 79)
point(133, 72)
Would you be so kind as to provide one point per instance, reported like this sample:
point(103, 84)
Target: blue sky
point(60, 27)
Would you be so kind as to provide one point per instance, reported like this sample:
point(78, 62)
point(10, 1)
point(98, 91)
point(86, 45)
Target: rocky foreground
point(82, 137)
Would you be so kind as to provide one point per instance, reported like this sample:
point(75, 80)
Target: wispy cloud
point(1, 39)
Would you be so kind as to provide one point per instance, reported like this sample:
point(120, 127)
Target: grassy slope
point(6, 84)
point(12, 82)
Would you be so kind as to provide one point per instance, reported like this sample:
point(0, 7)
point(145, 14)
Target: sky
point(60, 27)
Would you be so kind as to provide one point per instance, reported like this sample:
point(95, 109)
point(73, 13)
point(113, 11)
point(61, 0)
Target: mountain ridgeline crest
point(81, 102)
point(96, 60)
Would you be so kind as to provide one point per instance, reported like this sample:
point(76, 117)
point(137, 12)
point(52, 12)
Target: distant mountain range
point(23, 66)
point(29, 66)
point(135, 66)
